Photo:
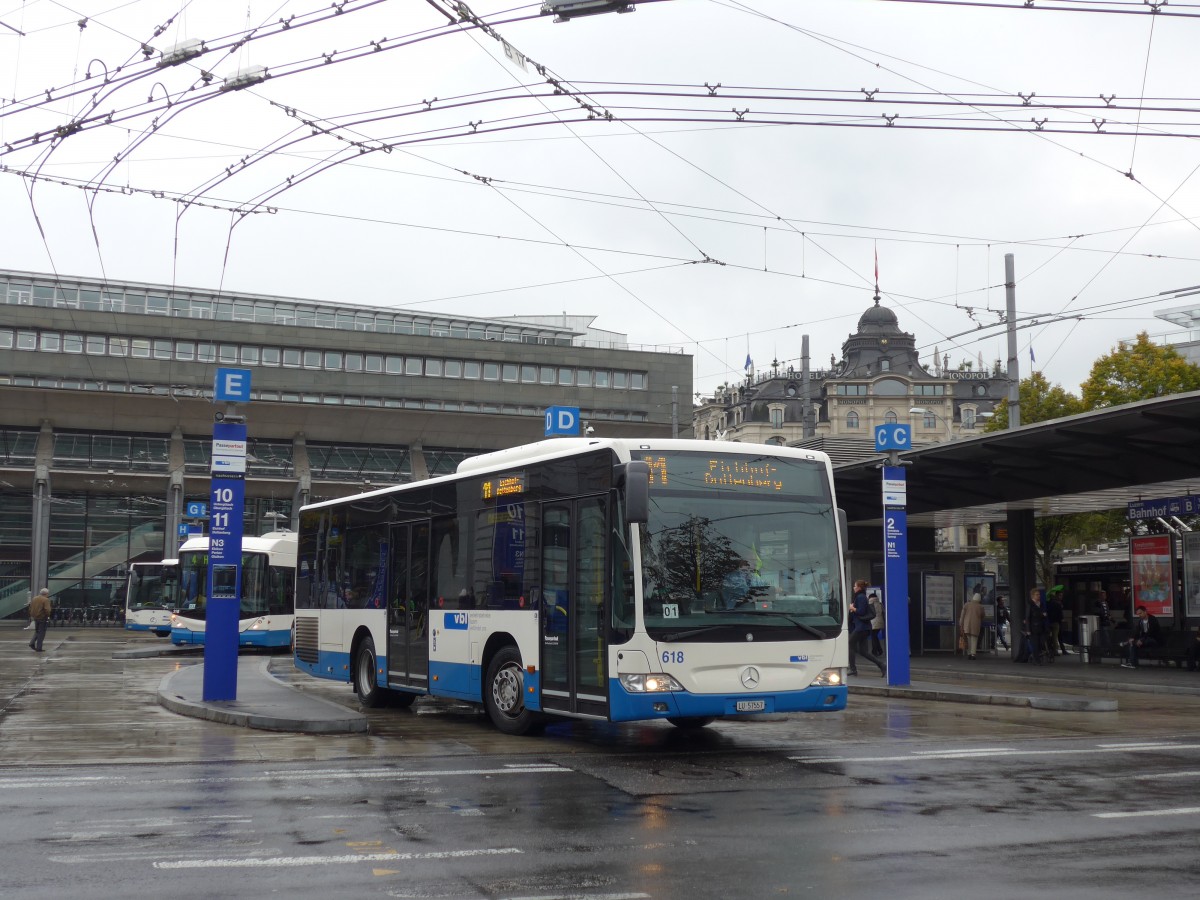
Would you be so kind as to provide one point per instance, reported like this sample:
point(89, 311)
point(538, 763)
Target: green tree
point(1138, 371)
point(1040, 400)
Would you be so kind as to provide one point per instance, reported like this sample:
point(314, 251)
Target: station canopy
point(1091, 462)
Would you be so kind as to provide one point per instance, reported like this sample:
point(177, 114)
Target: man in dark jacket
point(1146, 634)
point(861, 615)
point(1034, 630)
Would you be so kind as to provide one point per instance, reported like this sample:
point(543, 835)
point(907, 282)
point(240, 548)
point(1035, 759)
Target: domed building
point(879, 379)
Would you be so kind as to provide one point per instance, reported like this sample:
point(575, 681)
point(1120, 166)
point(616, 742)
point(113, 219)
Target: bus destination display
point(754, 474)
point(503, 486)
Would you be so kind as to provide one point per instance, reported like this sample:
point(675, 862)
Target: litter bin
point(1086, 628)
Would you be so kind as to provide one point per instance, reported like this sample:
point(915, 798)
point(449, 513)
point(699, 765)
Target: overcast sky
point(719, 183)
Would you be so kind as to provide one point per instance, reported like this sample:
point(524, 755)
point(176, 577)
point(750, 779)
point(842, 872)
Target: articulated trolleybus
point(268, 579)
point(150, 592)
point(607, 579)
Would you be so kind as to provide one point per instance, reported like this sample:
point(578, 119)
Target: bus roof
point(266, 543)
point(556, 448)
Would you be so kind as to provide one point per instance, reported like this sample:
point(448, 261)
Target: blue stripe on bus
point(627, 707)
point(329, 664)
point(245, 638)
point(273, 638)
point(460, 680)
point(161, 630)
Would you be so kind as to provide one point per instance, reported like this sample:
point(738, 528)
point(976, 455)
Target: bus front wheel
point(369, 693)
point(504, 694)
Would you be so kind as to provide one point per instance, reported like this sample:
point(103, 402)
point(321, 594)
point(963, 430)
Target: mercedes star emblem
point(749, 678)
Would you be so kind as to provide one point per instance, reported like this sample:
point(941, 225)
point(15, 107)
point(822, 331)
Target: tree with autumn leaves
point(1141, 370)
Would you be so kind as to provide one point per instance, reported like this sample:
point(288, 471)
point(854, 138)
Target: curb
point(334, 719)
point(1060, 704)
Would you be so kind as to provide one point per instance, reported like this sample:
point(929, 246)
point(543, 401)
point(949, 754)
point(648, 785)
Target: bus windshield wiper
point(801, 625)
point(707, 629)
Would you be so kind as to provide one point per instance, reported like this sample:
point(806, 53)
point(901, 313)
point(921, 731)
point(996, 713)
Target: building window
point(885, 365)
point(968, 418)
point(852, 390)
point(890, 418)
point(776, 418)
point(972, 536)
point(929, 421)
point(928, 390)
point(852, 419)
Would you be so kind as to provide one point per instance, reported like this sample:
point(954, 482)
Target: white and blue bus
point(268, 591)
point(601, 579)
point(150, 592)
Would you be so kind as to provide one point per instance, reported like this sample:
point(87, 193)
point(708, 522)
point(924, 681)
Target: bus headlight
point(649, 684)
point(260, 624)
point(174, 621)
point(830, 678)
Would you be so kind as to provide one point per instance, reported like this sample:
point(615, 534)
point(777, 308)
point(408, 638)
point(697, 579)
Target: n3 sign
point(893, 437)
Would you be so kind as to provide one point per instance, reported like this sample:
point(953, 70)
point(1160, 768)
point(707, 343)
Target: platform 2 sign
point(226, 504)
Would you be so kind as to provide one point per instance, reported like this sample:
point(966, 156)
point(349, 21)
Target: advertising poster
point(985, 587)
point(1191, 574)
point(1150, 559)
point(939, 598)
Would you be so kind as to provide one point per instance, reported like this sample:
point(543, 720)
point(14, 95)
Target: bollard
point(1083, 635)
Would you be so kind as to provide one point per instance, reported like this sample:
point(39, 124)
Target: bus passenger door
point(408, 606)
point(574, 652)
point(397, 618)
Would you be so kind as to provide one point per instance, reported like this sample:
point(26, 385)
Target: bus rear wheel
point(504, 694)
point(369, 693)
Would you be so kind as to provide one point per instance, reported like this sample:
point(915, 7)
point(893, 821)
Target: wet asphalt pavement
point(109, 794)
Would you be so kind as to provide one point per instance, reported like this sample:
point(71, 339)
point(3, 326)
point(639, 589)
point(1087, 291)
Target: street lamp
point(929, 412)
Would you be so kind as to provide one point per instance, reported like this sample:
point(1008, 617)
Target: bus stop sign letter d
point(562, 420)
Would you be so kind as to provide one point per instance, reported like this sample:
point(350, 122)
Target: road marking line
point(962, 750)
point(331, 774)
point(348, 859)
point(1180, 811)
point(958, 754)
point(1192, 774)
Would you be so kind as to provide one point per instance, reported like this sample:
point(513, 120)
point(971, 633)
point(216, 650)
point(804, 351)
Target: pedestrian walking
point(861, 615)
point(876, 623)
point(1054, 621)
point(1002, 619)
point(970, 623)
point(39, 612)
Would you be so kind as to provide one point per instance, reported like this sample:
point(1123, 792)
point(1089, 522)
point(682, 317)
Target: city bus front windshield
point(193, 585)
point(740, 545)
point(151, 587)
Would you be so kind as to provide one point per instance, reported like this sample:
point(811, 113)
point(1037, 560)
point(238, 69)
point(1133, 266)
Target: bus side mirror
point(635, 476)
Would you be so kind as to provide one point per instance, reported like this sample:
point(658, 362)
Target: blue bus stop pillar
point(895, 574)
